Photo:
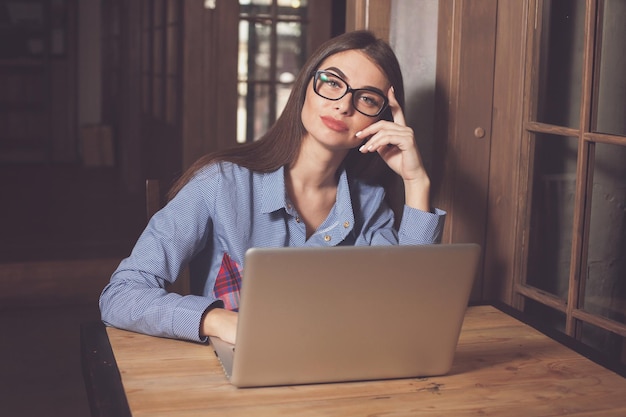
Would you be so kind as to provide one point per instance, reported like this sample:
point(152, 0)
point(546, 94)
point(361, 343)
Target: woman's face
point(334, 123)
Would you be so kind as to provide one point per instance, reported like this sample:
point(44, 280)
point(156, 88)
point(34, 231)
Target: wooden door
point(540, 181)
point(462, 150)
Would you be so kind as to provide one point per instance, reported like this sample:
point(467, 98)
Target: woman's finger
point(396, 110)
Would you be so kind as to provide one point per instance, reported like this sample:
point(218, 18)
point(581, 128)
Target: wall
point(413, 35)
point(89, 77)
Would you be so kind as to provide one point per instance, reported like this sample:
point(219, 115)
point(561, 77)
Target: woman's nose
point(344, 104)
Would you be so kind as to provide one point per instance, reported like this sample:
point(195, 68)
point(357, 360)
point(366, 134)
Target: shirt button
point(289, 206)
point(297, 219)
point(327, 238)
point(346, 224)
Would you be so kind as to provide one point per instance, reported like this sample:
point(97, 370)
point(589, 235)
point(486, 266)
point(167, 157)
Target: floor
point(40, 361)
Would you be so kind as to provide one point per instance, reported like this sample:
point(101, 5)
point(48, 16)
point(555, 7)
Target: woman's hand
point(395, 143)
point(221, 323)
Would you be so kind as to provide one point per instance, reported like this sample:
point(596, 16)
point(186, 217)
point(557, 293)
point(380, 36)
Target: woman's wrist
point(219, 322)
point(417, 193)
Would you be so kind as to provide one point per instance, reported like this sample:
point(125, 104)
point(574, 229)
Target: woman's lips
point(334, 124)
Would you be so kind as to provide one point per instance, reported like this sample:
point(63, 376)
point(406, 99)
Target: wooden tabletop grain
point(503, 367)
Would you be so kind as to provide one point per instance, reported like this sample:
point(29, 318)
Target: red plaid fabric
point(228, 283)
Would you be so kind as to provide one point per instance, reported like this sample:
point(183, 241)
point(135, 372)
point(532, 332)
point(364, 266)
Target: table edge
point(102, 379)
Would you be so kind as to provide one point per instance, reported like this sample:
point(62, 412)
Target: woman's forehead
point(357, 69)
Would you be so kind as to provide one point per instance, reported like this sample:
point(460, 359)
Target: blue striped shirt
point(227, 209)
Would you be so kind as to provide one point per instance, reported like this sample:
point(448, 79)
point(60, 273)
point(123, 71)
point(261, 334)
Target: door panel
point(463, 157)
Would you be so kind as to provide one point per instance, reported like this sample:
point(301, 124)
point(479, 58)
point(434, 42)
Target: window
point(574, 227)
point(161, 57)
point(272, 49)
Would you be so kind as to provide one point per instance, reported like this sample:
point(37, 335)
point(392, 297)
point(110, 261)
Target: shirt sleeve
point(135, 298)
point(421, 228)
point(416, 227)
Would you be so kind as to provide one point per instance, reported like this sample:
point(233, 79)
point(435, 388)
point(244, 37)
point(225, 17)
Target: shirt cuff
point(420, 227)
point(188, 315)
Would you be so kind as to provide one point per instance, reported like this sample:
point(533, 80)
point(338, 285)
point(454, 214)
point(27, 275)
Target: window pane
point(271, 53)
point(252, 111)
point(242, 56)
point(260, 101)
point(611, 97)
point(290, 59)
point(250, 8)
point(610, 344)
point(290, 52)
point(294, 4)
point(552, 213)
point(290, 9)
point(560, 72)
point(242, 112)
point(605, 288)
point(545, 315)
point(282, 95)
point(254, 50)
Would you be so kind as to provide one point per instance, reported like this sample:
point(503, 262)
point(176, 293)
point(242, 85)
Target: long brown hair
point(280, 145)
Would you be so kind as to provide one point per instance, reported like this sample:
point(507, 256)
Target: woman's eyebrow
point(338, 71)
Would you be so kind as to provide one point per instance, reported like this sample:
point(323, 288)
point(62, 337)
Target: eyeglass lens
point(332, 87)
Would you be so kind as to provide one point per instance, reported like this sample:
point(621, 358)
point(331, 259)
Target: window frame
point(572, 307)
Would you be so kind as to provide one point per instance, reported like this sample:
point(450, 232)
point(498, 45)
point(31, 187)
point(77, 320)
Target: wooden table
point(503, 367)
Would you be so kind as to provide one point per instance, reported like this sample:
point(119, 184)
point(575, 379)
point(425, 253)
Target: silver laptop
point(318, 315)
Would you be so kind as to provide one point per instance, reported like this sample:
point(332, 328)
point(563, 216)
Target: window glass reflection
point(294, 4)
point(259, 42)
point(544, 314)
point(271, 52)
point(610, 344)
point(552, 213)
point(560, 73)
point(289, 57)
point(610, 102)
point(605, 286)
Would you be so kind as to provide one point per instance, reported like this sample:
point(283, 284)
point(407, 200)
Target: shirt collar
point(273, 191)
point(275, 194)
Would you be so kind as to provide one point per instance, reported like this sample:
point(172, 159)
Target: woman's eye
point(371, 101)
point(330, 81)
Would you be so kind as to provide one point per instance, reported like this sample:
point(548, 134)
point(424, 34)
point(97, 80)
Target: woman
point(316, 178)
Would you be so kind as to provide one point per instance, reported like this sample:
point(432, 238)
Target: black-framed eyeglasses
point(367, 101)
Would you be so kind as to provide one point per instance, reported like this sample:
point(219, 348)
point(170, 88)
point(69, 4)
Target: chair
point(154, 201)
point(154, 198)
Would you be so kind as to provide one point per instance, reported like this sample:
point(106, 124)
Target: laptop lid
point(315, 315)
